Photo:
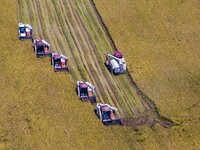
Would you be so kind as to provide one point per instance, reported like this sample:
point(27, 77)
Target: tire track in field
point(73, 28)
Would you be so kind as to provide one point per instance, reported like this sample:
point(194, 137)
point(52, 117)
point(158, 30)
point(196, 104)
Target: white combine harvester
point(25, 31)
point(116, 63)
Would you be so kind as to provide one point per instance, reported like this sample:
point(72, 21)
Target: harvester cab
point(41, 48)
point(59, 62)
point(116, 63)
point(107, 114)
point(25, 31)
point(85, 91)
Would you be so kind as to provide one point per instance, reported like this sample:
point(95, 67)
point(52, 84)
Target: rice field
point(40, 109)
point(74, 29)
point(160, 40)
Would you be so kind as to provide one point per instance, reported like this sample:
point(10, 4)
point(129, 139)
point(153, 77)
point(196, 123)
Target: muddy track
point(76, 29)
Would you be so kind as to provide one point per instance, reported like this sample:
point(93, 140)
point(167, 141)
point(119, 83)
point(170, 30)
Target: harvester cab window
point(105, 115)
point(22, 29)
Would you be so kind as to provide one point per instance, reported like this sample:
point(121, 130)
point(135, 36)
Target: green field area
point(160, 40)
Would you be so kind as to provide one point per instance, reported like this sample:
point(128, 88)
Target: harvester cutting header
point(116, 63)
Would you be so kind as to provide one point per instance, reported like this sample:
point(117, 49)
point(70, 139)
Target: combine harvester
point(115, 63)
point(41, 48)
point(59, 62)
point(107, 114)
point(85, 91)
point(25, 31)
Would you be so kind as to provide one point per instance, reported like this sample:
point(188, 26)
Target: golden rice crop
point(160, 40)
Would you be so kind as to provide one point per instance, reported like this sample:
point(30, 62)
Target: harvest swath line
point(75, 29)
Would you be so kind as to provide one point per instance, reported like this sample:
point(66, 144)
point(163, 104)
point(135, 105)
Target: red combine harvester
point(41, 47)
point(85, 91)
point(59, 62)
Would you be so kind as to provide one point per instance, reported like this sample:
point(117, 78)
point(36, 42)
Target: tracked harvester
point(25, 31)
point(107, 114)
point(59, 62)
point(85, 91)
point(116, 64)
point(41, 48)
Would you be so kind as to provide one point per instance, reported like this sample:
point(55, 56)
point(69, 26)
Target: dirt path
point(75, 29)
